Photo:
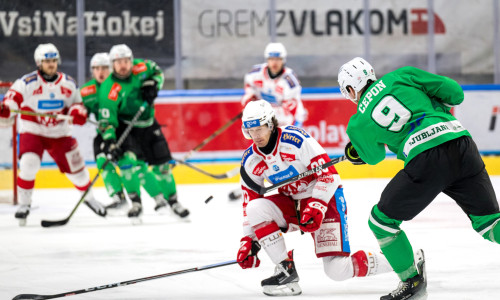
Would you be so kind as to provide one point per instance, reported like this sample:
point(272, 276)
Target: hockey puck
point(208, 199)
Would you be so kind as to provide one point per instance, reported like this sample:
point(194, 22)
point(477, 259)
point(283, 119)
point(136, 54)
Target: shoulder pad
point(139, 68)
point(292, 138)
point(291, 80)
point(69, 78)
point(246, 155)
point(255, 68)
point(30, 77)
point(294, 128)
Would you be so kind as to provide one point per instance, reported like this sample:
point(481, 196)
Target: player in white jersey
point(47, 91)
point(278, 85)
point(313, 204)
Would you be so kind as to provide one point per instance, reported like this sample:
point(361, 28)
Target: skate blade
point(117, 212)
point(289, 289)
point(22, 222)
point(162, 210)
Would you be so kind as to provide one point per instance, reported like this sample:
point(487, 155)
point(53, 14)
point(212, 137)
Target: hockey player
point(313, 204)
point(48, 91)
point(409, 111)
point(131, 83)
point(278, 85)
point(100, 65)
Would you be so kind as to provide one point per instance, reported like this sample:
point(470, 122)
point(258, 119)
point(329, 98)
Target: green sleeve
point(157, 73)
point(108, 108)
point(439, 88)
point(369, 149)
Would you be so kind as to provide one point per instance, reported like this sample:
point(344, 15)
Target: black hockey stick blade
point(123, 283)
point(228, 174)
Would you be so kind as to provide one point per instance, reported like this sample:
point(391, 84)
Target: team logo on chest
point(287, 156)
point(66, 92)
point(276, 168)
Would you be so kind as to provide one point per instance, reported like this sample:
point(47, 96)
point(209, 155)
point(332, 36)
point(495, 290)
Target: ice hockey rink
point(91, 251)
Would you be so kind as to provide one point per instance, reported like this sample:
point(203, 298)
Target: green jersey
point(120, 99)
point(89, 96)
point(409, 111)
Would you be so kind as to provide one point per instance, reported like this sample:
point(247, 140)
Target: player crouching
point(313, 204)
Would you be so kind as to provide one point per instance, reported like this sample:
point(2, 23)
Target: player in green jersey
point(100, 65)
point(409, 111)
point(131, 83)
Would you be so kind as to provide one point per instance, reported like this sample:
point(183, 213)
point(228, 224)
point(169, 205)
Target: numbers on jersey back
point(391, 114)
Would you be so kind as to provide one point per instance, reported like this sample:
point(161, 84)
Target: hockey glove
point(352, 155)
point(312, 215)
point(79, 114)
point(149, 90)
point(109, 148)
point(247, 254)
point(4, 111)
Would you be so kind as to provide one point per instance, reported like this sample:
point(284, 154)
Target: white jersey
point(283, 92)
point(34, 94)
point(295, 152)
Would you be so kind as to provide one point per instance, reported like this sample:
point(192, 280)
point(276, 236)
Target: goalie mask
point(355, 73)
point(46, 51)
point(255, 114)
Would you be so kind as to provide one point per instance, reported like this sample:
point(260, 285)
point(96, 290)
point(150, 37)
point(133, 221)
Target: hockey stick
point(53, 116)
point(123, 283)
point(212, 136)
point(228, 174)
point(263, 190)
point(48, 223)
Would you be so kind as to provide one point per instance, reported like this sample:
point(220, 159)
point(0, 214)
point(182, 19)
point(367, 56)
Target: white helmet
point(275, 50)
point(120, 51)
point(255, 114)
point(355, 73)
point(100, 59)
point(46, 51)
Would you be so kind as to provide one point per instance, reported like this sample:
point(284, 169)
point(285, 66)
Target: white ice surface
point(91, 251)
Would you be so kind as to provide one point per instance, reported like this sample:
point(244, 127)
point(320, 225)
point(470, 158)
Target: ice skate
point(96, 207)
point(414, 288)
point(119, 204)
point(22, 213)
point(161, 204)
point(176, 207)
point(285, 281)
point(135, 213)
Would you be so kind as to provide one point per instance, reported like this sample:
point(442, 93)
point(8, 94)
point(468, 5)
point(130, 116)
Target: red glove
point(79, 114)
point(312, 215)
point(4, 111)
point(247, 255)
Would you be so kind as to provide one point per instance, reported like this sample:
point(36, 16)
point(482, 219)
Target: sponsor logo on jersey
point(283, 175)
point(246, 155)
point(292, 138)
point(50, 104)
point(260, 168)
point(278, 89)
point(38, 91)
point(276, 168)
point(269, 97)
point(291, 127)
point(290, 81)
point(66, 92)
point(88, 90)
point(115, 91)
point(287, 156)
point(258, 83)
point(139, 68)
point(30, 78)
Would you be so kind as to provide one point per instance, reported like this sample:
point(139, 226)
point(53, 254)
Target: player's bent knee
point(127, 161)
point(338, 268)
point(261, 210)
point(29, 164)
point(487, 226)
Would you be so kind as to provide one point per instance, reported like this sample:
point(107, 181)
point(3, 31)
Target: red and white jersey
point(33, 93)
point(283, 92)
point(295, 152)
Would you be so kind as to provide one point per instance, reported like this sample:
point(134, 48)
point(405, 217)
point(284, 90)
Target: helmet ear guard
point(257, 113)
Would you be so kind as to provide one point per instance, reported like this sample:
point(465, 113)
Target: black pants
point(454, 168)
point(148, 144)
